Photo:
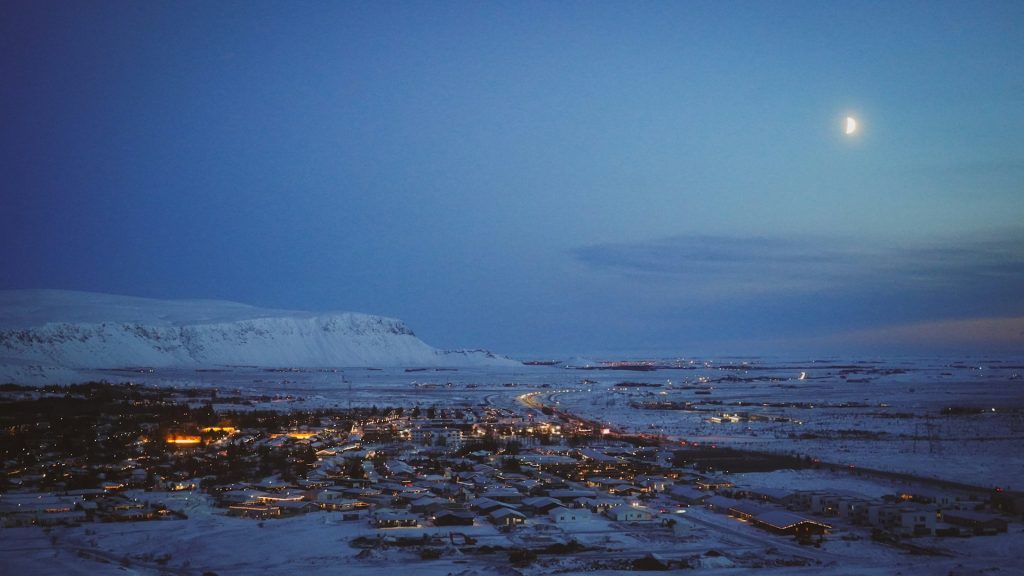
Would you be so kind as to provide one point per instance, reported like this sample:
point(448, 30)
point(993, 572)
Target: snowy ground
point(889, 415)
point(318, 543)
point(884, 415)
point(894, 422)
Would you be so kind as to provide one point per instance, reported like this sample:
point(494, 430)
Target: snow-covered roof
point(504, 513)
point(781, 519)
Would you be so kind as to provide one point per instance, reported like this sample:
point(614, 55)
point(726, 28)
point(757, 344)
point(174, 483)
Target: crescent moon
point(851, 125)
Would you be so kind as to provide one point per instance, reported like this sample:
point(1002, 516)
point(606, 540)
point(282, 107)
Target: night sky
point(534, 178)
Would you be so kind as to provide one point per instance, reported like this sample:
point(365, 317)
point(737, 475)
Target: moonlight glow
point(851, 125)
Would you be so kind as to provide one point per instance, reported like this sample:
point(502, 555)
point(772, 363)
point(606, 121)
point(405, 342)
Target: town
point(527, 485)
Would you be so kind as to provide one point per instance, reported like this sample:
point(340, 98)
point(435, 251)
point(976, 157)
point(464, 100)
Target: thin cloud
point(729, 265)
point(973, 334)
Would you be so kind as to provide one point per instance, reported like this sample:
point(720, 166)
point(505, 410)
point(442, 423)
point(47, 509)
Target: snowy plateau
point(45, 335)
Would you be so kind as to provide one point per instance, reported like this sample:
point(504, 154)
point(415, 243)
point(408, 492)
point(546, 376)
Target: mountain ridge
point(82, 330)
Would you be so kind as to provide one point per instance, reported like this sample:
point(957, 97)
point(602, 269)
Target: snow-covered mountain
point(50, 329)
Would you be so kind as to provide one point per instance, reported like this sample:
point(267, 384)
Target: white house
point(562, 515)
point(917, 521)
point(629, 514)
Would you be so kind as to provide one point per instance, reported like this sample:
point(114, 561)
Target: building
point(506, 517)
point(562, 515)
point(395, 519)
point(745, 510)
point(540, 504)
point(916, 521)
point(978, 522)
point(688, 495)
point(625, 513)
point(720, 504)
point(782, 522)
point(454, 518)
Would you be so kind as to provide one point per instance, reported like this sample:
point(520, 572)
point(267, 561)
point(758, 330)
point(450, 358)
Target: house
point(506, 517)
point(653, 483)
point(567, 496)
point(979, 523)
point(341, 504)
point(453, 518)
point(427, 504)
point(810, 500)
point(540, 504)
point(745, 510)
point(240, 496)
point(337, 500)
point(626, 491)
point(486, 505)
point(295, 507)
point(529, 486)
point(125, 510)
point(437, 436)
point(400, 470)
point(711, 483)
point(782, 522)
point(504, 494)
point(271, 486)
point(773, 495)
point(831, 503)
point(924, 495)
point(625, 513)
point(40, 509)
point(599, 505)
point(916, 521)
point(258, 511)
point(605, 483)
point(885, 516)
point(688, 495)
point(720, 504)
point(387, 518)
point(182, 485)
point(279, 497)
point(562, 515)
point(853, 509)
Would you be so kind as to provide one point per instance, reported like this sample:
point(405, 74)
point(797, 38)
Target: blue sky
point(536, 178)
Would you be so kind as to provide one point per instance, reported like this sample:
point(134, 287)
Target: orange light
point(296, 435)
point(184, 440)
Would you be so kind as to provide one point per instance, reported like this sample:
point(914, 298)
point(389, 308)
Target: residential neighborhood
point(129, 454)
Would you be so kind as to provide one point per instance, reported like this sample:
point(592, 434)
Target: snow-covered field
point(954, 420)
point(949, 420)
point(958, 422)
point(319, 543)
point(889, 415)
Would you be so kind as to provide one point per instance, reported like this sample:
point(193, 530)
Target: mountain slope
point(85, 330)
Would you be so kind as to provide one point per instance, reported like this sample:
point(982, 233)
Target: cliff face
point(83, 330)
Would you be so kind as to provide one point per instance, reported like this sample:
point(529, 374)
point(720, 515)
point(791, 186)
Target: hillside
point(60, 329)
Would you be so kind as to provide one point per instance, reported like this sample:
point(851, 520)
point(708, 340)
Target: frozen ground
point(960, 421)
point(957, 420)
point(318, 543)
point(886, 415)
